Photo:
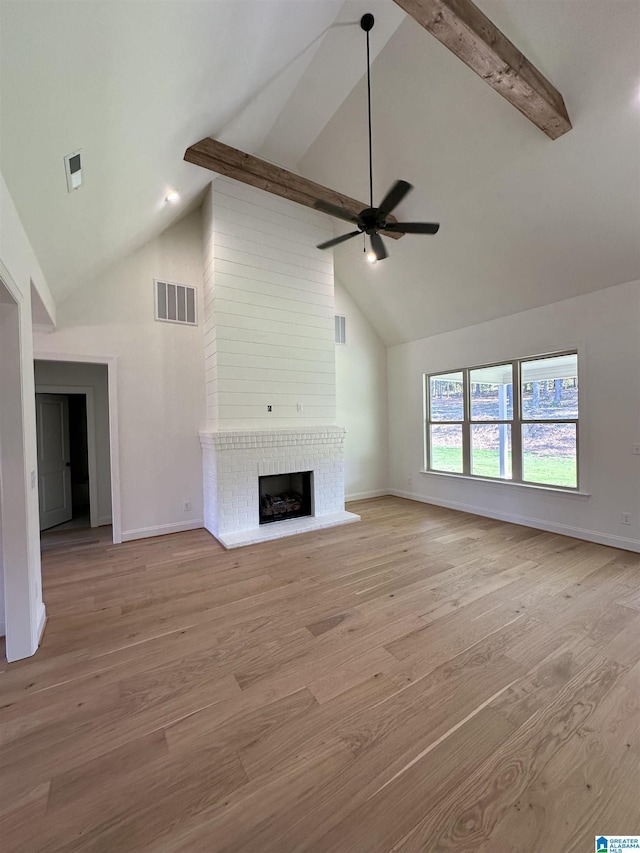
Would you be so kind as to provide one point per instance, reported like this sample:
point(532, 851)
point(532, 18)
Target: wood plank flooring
point(423, 680)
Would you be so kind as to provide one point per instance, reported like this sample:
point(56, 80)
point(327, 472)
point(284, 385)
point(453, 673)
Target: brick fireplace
point(234, 462)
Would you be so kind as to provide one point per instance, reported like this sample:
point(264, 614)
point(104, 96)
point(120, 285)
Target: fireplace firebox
point(283, 496)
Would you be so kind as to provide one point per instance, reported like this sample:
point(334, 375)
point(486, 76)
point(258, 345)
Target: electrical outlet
point(269, 408)
point(187, 506)
point(409, 481)
point(636, 449)
point(300, 407)
point(626, 518)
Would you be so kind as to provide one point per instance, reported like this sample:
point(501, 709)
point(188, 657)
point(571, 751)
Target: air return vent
point(341, 329)
point(175, 303)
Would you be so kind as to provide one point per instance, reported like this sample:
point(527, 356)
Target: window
point(513, 421)
point(341, 329)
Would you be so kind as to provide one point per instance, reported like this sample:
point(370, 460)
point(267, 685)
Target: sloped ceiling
point(525, 221)
point(133, 84)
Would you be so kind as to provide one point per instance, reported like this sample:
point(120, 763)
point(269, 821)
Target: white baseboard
point(161, 530)
point(22, 653)
point(539, 524)
point(103, 520)
point(361, 496)
point(42, 621)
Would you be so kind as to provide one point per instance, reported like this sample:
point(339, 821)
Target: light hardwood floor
point(422, 681)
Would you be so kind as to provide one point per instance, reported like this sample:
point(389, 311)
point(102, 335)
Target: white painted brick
point(233, 461)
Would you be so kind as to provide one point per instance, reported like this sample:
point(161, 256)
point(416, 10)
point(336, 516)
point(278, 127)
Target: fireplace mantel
point(245, 439)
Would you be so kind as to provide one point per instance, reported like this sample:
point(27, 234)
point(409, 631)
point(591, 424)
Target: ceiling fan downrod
point(366, 22)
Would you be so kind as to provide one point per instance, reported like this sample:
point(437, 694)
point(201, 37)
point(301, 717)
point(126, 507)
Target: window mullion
point(466, 428)
point(516, 432)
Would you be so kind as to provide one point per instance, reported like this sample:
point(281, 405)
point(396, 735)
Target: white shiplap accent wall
point(269, 311)
point(209, 328)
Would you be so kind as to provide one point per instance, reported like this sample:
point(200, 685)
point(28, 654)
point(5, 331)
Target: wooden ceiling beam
point(474, 39)
point(225, 160)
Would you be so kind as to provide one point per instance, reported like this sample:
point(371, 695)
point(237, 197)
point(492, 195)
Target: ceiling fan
point(372, 219)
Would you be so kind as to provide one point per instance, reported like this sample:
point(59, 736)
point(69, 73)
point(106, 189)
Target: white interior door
point(54, 471)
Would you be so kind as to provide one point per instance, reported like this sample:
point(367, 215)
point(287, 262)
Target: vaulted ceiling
point(133, 83)
point(525, 220)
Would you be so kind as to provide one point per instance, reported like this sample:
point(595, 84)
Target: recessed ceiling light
point(172, 197)
point(371, 257)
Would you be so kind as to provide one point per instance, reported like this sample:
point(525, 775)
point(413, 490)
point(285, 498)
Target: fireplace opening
point(285, 496)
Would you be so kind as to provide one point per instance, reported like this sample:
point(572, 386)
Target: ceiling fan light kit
point(372, 220)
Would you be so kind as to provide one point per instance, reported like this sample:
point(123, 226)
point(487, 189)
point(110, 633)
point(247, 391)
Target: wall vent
point(341, 329)
point(175, 303)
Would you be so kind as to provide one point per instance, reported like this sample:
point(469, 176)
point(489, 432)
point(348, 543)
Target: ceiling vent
point(341, 329)
point(175, 303)
point(73, 170)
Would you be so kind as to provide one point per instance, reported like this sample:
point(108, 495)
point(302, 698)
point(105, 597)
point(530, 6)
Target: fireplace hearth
point(285, 496)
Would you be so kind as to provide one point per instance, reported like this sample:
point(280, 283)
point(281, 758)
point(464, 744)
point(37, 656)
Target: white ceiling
point(525, 221)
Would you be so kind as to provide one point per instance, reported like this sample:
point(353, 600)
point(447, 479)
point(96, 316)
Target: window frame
point(516, 423)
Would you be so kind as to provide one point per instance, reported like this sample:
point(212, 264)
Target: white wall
point(605, 327)
point(70, 374)
point(361, 401)
point(160, 377)
point(13, 509)
point(20, 271)
point(269, 334)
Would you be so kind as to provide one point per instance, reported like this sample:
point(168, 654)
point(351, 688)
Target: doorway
point(74, 447)
point(63, 462)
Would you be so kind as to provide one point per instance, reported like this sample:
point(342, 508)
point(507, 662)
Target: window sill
point(570, 493)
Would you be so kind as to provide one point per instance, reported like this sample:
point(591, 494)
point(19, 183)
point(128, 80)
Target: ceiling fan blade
point(395, 195)
point(334, 210)
point(377, 244)
point(336, 240)
point(414, 227)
